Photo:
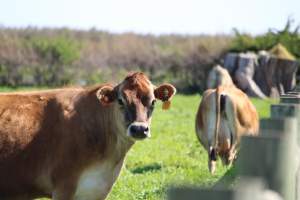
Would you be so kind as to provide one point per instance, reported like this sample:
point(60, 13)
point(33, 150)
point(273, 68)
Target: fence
point(268, 166)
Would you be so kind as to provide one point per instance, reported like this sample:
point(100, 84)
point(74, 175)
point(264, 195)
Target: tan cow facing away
point(224, 115)
point(71, 143)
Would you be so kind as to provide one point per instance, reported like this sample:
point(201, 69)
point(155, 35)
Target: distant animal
point(218, 76)
point(71, 143)
point(224, 115)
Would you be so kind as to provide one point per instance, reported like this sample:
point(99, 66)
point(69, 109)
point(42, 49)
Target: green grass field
point(172, 156)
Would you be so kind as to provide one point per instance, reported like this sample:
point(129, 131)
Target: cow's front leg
point(64, 191)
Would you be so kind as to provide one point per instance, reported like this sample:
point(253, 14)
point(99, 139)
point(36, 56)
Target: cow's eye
point(120, 101)
point(153, 102)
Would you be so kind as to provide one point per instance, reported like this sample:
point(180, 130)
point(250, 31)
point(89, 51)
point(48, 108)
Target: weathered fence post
point(291, 98)
point(290, 107)
point(287, 110)
point(188, 193)
point(272, 155)
point(247, 189)
point(297, 88)
point(254, 189)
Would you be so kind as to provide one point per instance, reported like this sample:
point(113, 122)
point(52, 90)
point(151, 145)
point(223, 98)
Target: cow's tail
point(218, 113)
point(214, 145)
point(220, 107)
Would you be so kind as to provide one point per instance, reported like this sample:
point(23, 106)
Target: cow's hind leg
point(232, 124)
point(212, 160)
point(228, 157)
point(232, 155)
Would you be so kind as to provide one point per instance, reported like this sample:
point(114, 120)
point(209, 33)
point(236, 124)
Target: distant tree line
point(289, 36)
point(57, 57)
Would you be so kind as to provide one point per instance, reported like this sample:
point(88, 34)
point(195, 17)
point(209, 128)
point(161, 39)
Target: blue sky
point(152, 16)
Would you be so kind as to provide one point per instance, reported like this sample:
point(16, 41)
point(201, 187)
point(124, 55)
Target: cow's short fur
point(224, 115)
point(71, 143)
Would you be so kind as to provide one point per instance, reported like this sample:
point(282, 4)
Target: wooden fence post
point(188, 193)
point(292, 97)
point(272, 156)
point(285, 110)
point(247, 189)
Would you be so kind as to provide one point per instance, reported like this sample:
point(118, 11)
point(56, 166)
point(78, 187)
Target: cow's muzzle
point(138, 130)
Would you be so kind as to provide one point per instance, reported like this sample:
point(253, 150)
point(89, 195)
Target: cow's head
point(135, 98)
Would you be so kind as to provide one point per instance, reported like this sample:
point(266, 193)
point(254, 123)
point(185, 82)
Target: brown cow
point(71, 143)
point(224, 115)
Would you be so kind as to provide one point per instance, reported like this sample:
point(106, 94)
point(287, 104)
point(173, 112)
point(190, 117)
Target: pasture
point(172, 156)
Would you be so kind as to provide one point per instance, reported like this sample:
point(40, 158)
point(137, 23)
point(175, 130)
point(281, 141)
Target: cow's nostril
point(133, 129)
point(139, 131)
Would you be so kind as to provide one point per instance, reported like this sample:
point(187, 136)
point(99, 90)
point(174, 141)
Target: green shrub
point(56, 55)
point(57, 50)
point(288, 37)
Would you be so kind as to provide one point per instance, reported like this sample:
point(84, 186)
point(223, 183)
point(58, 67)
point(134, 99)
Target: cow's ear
point(106, 95)
point(165, 92)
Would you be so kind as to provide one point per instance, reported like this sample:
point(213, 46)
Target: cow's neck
point(118, 143)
